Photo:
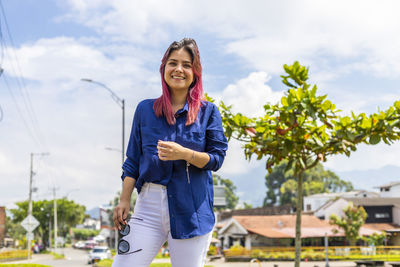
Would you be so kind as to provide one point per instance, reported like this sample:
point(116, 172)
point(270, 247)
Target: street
point(78, 258)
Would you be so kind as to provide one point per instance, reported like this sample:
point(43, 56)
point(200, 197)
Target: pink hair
point(162, 105)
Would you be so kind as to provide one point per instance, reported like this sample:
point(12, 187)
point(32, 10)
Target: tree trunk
point(299, 208)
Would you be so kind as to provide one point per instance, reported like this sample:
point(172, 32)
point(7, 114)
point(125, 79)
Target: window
point(382, 215)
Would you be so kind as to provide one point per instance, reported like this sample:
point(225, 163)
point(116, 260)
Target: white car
point(99, 253)
point(79, 244)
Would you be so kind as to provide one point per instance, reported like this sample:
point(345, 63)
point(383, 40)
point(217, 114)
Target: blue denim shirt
point(190, 189)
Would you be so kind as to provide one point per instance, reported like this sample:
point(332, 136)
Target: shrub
point(256, 253)
point(13, 254)
point(212, 250)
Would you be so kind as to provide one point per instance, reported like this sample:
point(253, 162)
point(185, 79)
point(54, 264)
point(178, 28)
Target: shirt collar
point(183, 110)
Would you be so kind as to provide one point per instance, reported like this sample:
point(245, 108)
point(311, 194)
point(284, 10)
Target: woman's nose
point(179, 67)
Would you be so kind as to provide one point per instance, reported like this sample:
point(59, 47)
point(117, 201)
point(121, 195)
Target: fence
point(387, 253)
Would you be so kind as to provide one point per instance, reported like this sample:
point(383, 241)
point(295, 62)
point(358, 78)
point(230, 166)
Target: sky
point(47, 47)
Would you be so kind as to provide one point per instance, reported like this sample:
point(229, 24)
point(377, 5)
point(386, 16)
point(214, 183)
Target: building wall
point(335, 208)
point(396, 215)
point(314, 203)
point(2, 225)
point(394, 191)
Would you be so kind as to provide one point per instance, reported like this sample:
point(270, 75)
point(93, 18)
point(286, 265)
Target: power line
point(20, 112)
point(20, 80)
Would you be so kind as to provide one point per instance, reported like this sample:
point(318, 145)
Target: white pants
point(150, 228)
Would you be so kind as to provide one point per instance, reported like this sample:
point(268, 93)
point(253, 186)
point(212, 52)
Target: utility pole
point(31, 174)
point(55, 219)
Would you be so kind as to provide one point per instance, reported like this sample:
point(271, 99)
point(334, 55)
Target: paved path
point(78, 258)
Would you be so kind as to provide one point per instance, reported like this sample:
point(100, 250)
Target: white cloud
point(250, 94)
point(366, 157)
point(78, 120)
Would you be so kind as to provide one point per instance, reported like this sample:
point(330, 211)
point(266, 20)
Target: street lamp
point(121, 103)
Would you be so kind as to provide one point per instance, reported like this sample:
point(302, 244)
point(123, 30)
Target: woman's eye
point(187, 66)
point(172, 64)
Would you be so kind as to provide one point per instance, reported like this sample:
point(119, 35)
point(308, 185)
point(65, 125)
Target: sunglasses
point(123, 245)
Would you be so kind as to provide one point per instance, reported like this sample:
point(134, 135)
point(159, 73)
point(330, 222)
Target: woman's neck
point(178, 100)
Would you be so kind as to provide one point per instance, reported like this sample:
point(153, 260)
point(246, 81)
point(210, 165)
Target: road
point(78, 258)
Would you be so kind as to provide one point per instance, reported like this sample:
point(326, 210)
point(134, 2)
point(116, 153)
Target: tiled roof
point(381, 226)
point(284, 226)
point(388, 185)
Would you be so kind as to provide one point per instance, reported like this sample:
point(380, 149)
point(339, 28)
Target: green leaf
point(313, 90)
point(374, 139)
point(326, 105)
point(284, 101)
point(299, 94)
point(397, 104)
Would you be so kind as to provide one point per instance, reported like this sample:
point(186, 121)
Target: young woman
point(175, 143)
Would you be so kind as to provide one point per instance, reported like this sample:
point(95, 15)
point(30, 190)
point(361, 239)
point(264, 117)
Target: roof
point(388, 185)
point(343, 194)
point(381, 226)
point(284, 226)
point(380, 201)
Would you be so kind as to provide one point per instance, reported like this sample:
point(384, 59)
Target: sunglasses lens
point(123, 246)
point(125, 230)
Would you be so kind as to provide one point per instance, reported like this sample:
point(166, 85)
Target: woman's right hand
point(121, 213)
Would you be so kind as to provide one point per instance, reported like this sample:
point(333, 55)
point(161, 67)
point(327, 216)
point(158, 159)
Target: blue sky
point(351, 48)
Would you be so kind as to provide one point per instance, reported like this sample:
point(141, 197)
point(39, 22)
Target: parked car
point(90, 244)
point(79, 244)
point(99, 253)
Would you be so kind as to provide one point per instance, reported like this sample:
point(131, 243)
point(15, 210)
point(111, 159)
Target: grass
point(57, 256)
point(108, 263)
point(23, 265)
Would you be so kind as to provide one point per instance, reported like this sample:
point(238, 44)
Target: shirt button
point(169, 195)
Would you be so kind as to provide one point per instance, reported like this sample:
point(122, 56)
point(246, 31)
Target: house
point(314, 202)
point(2, 225)
point(389, 190)
point(383, 213)
point(278, 230)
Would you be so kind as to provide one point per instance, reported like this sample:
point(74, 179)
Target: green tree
point(354, 217)
point(282, 186)
point(304, 129)
point(375, 239)
point(69, 214)
point(14, 230)
point(231, 198)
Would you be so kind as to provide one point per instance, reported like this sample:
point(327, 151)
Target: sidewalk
point(35, 258)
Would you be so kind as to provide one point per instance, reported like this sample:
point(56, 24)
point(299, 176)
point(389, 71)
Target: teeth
point(177, 77)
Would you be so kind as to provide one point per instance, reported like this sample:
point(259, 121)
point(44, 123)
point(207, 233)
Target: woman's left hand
point(168, 150)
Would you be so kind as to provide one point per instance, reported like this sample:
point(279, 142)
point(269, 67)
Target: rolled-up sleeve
point(216, 142)
point(131, 165)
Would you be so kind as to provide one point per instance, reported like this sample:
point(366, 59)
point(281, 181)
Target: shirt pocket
point(150, 136)
point(194, 140)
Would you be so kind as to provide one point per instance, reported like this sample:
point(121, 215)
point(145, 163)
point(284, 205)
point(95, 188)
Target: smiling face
point(178, 72)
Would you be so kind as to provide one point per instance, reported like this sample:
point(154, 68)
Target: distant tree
point(231, 198)
point(282, 186)
point(353, 219)
point(84, 234)
point(69, 214)
point(247, 206)
point(14, 230)
point(375, 239)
